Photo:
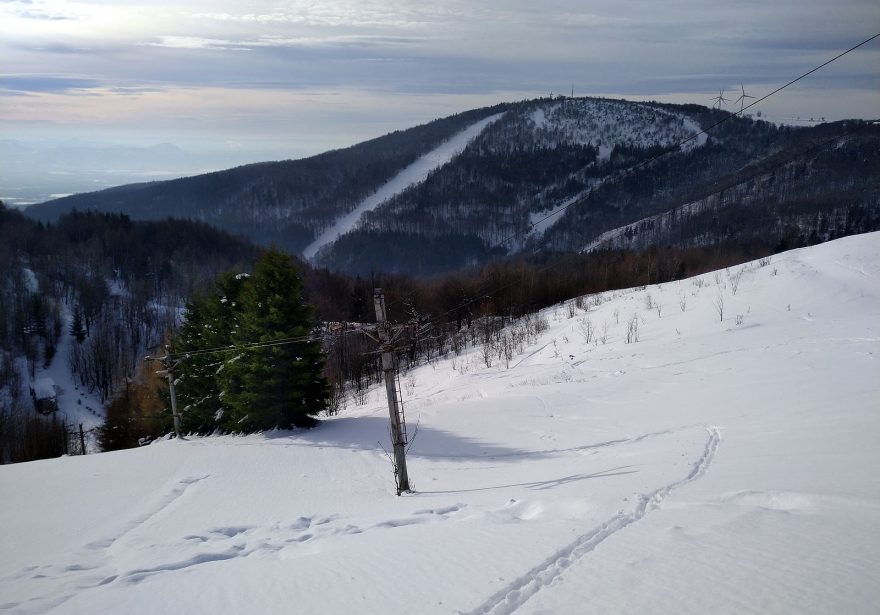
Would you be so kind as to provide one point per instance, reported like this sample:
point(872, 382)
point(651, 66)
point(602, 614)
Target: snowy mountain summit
point(546, 175)
point(701, 446)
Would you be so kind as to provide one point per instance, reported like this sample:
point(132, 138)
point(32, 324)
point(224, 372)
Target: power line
point(579, 198)
point(490, 293)
point(257, 345)
point(561, 209)
point(782, 87)
point(571, 257)
point(704, 131)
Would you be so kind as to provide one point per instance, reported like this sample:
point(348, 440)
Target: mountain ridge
point(600, 164)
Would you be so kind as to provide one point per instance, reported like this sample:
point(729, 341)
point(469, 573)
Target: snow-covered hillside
point(712, 466)
point(408, 176)
point(606, 123)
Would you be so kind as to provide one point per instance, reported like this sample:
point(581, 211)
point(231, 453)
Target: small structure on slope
point(44, 395)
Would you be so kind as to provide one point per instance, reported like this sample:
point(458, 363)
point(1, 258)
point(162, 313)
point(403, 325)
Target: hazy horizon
point(230, 83)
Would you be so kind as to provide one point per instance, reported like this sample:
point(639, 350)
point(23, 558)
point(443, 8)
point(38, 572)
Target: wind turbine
point(720, 98)
point(742, 99)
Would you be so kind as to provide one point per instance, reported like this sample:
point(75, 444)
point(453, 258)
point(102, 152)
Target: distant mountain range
point(546, 175)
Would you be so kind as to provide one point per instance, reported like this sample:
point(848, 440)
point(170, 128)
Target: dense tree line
point(233, 376)
point(452, 312)
point(286, 203)
point(828, 189)
point(538, 155)
point(513, 174)
point(250, 386)
point(117, 286)
point(792, 170)
point(113, 286)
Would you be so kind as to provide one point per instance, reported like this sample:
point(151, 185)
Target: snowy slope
point(710, 467)
point(606, 123)
point(75, 403)
point(413, 174)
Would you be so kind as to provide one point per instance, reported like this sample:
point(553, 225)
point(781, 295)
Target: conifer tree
point(277, 385)
point(76, 326)
point(209, 323)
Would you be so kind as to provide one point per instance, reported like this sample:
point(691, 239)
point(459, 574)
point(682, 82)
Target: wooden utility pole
point(398, 425)
point(82, 439)
point(169, 363)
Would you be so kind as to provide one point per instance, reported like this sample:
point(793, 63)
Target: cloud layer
point(315, 73)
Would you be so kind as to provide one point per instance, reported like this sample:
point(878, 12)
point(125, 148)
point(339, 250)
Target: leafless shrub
point(734, 281)
point(360, 393)
point(649, 302)
point(682, 302)
point(487, 353)
point(658, 308)
point(617, 315)
point(604, 335)
point(632, 329)
point(506, 346)
point(718, 302)
point(586, 327)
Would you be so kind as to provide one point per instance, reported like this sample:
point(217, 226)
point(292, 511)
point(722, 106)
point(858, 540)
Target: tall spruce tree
point(209, 323)
point(278, 385)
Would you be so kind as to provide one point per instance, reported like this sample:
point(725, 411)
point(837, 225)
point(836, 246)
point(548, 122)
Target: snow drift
point(724, 462)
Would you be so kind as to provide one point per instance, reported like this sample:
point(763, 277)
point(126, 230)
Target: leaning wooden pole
point(388, 369)
point(169, 364)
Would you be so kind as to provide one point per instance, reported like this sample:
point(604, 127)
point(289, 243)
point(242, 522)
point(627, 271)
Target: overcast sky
point(286, 78)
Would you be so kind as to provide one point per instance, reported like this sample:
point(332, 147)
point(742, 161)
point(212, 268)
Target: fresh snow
point(606, 123)
point(75, 403)
point(711, 467)
point(540, 221)
point(415, 173)
point(44, 388)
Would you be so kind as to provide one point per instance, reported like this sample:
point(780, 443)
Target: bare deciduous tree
point(586, 328)
point(632, 329)
point(718, 302)
point(734, 281)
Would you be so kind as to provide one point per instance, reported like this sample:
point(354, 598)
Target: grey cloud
point(44, 16)
point(46, 83)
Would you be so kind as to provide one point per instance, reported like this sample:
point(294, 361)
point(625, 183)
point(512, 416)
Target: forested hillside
point(286, 203)
point(552, 177)
point(547, 175)
point(112, 287)
point(816, 188)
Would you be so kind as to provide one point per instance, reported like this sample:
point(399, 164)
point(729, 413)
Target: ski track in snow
point(96, 564)
point(512, 597)
point(515, 518)
point(86, 573)
point(415, 173)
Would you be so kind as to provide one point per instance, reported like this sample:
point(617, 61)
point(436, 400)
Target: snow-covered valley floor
point(710, 467)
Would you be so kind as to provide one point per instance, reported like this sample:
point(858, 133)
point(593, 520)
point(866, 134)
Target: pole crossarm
point(170, 363)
